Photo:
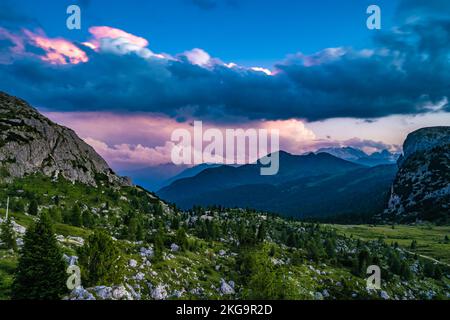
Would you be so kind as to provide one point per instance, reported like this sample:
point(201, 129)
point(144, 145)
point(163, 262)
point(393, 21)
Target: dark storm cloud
point(407, 72)
point(414, 9)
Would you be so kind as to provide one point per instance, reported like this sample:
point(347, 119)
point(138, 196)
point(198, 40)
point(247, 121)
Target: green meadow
point(431, 240)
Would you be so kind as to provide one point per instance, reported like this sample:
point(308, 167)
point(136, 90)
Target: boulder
point(159, 293)
point(225, 288)
point(132, 263)
point(174, 247)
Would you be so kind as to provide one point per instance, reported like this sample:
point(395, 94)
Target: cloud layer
point(405, 72)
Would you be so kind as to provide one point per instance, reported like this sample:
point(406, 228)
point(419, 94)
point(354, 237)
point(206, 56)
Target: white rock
point(78, 241)
point(147, 252)
point(178, 293)
point(81, 294)
point(174, 247)
point(121, 293)
point(159, 293)
point(18, 228)
point(139, 277)
point(318, 296)
point(103, 292)
point(384, 295)
point(225, 288)
point(136, 296)
point(132, 263)
point(19, 242)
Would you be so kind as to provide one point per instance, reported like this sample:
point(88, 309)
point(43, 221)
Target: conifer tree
point(7, 235)
point(181, 239)
point(33, 208)
point(76, 217)
point(41, 270)
point(159, 244)
point(100, 261)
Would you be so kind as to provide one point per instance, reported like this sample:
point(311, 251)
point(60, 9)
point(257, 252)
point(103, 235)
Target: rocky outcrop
point(421, 190)
point(31, 143)
point(423, 140)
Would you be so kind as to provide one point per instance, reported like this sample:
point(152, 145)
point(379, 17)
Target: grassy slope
point(193, 269)
point(430, 239)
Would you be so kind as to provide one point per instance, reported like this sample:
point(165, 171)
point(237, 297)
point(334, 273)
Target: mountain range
point(307, 185)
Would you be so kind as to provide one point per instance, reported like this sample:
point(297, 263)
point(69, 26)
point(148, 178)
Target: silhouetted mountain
point(286, 191)
point(346, 153)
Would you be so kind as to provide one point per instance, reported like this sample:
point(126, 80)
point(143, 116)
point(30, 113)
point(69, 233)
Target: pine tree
point(159, 244)
point(7, 235)
point(41, 269)
point(181, 239)
point(100, 261)
point(159, 211)
point(75, 217)
point(33, 208)
point(55, 215)
point(132, 229)
point(88, 219)
point(262, 232)
point(405, 271)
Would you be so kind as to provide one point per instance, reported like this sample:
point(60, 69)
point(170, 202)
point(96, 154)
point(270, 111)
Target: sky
point(137, 70)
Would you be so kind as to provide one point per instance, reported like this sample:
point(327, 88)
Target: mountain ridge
point(30, 143)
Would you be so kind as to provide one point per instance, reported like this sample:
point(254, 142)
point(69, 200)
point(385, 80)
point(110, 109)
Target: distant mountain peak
point(359, 156)
point(346, 153)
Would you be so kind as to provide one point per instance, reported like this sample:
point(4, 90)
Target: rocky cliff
point(421, 190)
point(30, 143)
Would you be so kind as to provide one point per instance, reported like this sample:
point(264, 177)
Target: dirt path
point(426, 257)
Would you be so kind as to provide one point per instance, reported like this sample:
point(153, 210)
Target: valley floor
point(430, 239)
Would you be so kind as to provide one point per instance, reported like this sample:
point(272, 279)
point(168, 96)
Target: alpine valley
point(220, 232)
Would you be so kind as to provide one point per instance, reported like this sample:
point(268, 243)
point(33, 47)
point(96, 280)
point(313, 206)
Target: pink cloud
point(58, 50)
point(138, 140)
point(198, 57)
point(105, 32)
point(125, 155)
point(144, 139)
